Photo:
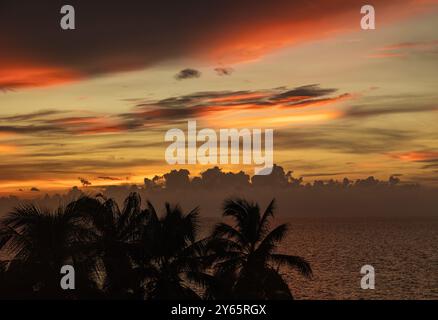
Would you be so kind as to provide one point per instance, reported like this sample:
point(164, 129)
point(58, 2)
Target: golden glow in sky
point(339, 99)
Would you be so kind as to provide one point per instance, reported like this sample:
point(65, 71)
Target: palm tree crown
point(115, 241)
point(246, 264)
point(130, 252)
point(39, 243)
point(173, 256)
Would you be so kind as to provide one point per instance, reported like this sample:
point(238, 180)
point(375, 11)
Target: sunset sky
point(95, 102)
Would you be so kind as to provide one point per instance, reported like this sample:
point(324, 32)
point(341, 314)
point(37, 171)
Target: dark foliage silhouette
point(246, 265)
point(40, 243)
point(135, 253)
point(116, 236)
point(172, 255)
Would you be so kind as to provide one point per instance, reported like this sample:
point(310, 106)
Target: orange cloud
point(403, 49)
point(79, 121)
point(276, 120)
point(307, 102)
point(415, 156)
point(5, 148)
point(280, 106)
point(239, 97)
point(385, 55)
point(411, 45)
point(101, 130)
point(300, 22)
point(35, 76)
point(36, 53)
point(89, 125)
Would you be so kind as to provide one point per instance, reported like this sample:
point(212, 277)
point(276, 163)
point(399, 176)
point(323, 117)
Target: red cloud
point(89, 125)
point(411, 45)
point(12, 78)
point(414, 156)
point(35, 52)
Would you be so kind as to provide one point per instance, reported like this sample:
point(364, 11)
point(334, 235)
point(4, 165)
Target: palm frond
point(264, 221)
point(295, 262)
point(272, 239)
point(225, 230)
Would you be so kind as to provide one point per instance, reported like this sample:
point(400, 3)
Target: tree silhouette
point(135, 253)
point(40, 243)
point(116, 236)
point(245, 263)
point(172, 257)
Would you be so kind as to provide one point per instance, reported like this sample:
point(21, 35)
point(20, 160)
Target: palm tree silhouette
point(134, 253)
point(172, 257)
point(40, 242)
point(245, 263)
point(116, 238)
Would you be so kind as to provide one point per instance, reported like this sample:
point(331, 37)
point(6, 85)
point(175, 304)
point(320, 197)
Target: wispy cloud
point(415, 156)
point(332, 137)
point(382, 110)
point(384, 55)
point(418, 45)
point(223, 71)
point(31, 116)
point(242, 106)
point(404, 49)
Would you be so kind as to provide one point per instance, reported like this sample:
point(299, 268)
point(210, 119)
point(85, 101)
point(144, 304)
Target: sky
point(95, 102)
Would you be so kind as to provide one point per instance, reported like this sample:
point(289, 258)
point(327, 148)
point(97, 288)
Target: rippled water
point(404, 254)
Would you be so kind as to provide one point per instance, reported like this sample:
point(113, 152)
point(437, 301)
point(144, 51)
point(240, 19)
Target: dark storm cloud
point(188, 74)
point(126, 35)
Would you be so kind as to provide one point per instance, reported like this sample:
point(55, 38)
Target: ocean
point(403, 252)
